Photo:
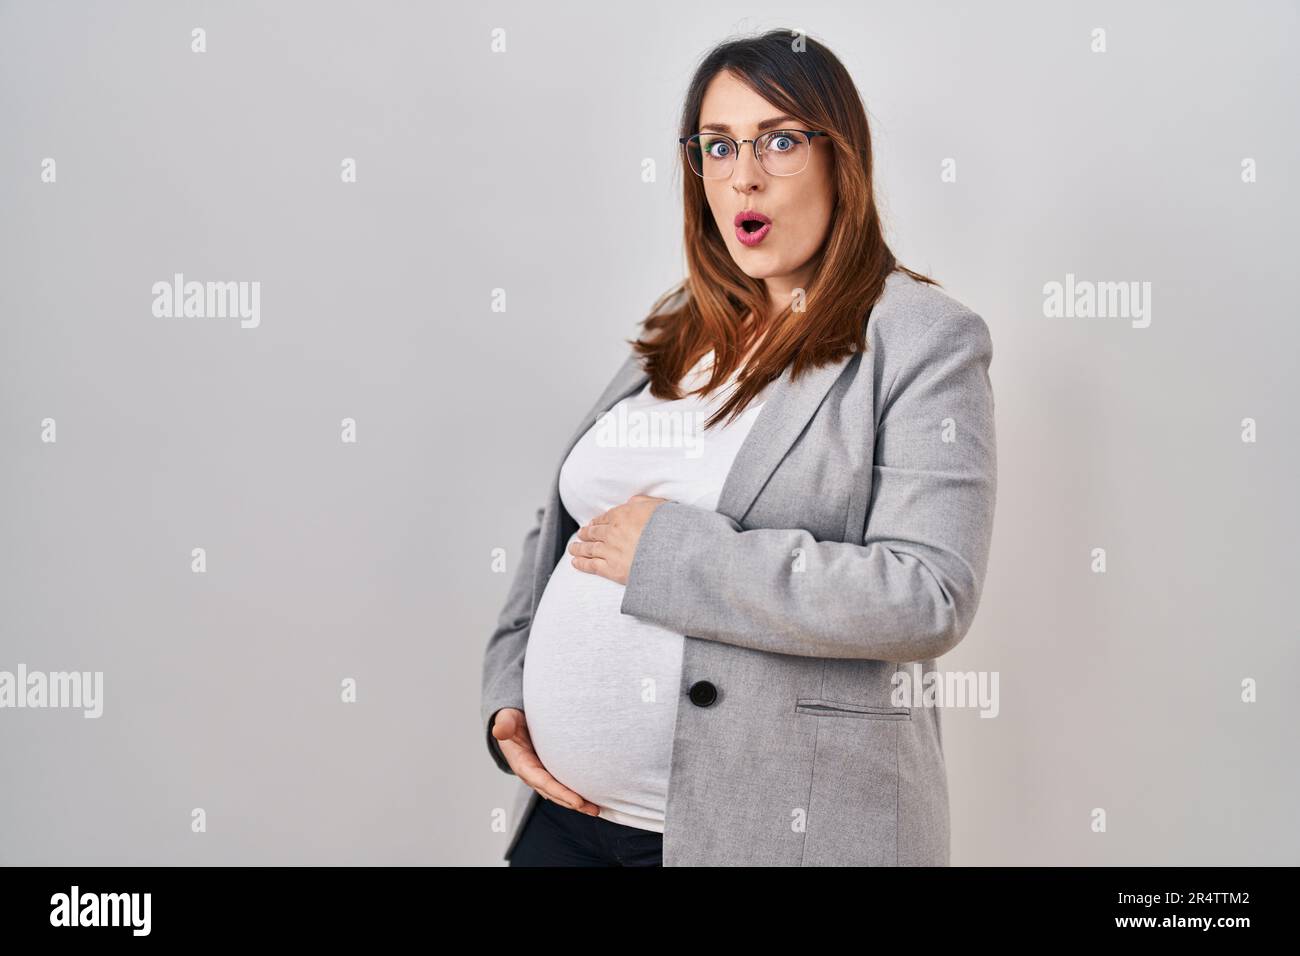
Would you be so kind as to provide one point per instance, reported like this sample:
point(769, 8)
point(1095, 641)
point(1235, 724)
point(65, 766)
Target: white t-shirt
point(601, 687)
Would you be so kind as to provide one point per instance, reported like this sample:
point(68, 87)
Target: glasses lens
point(711, 155)
point(783, 152)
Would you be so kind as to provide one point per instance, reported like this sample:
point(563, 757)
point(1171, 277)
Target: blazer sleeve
point(503, 660)
point(909, 590)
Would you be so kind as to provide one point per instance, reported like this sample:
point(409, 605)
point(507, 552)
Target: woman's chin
point(756, 264)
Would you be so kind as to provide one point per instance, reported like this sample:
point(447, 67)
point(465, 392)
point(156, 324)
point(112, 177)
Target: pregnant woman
point(780, 506)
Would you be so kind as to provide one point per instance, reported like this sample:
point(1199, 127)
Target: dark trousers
point(557, 836)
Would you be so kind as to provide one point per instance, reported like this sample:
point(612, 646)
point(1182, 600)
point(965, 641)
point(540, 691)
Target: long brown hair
point(804, 79)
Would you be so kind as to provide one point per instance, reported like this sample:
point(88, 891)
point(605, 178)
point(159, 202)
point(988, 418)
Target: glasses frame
point(753, 145)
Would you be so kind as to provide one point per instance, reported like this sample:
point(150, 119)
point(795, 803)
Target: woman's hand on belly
point(607, 544)
point(510, 728)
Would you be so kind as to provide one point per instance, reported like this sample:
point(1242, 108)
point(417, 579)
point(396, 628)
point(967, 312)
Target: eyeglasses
point(782, 152)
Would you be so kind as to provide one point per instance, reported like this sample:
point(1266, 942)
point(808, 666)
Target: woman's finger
point(593, 566)
point(553, 790)
point(593, 532)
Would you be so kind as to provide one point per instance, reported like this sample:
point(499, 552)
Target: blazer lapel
point(787, 408)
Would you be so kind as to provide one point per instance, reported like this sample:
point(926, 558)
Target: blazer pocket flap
point(820, 707)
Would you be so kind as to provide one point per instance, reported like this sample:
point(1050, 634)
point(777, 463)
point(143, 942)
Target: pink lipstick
point(752, 227)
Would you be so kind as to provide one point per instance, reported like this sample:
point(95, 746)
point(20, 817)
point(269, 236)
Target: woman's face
point(798, 206)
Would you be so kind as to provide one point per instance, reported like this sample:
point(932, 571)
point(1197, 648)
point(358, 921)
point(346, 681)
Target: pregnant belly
point(600, 693)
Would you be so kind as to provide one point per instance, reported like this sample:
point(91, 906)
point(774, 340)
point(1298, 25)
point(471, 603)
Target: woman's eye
point(781, 143)
point(718, 150)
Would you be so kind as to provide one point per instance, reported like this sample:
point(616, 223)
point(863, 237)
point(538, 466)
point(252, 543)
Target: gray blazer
point(852, 535)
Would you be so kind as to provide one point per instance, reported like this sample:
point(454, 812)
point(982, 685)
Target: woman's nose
point(747, 173)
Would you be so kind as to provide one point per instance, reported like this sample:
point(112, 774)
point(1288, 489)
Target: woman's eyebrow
point(766, 124)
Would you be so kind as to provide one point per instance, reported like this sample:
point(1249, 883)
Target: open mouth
point(752, 227)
